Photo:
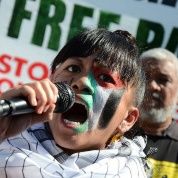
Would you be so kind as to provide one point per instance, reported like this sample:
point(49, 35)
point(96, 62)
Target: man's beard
point(157, 115)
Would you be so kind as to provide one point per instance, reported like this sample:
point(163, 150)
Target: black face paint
point(110, 108)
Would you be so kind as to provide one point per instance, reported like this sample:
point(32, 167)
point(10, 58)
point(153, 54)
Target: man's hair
point(116, 50)
point(160, 54)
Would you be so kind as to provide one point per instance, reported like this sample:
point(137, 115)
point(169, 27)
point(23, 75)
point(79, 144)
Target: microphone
point(19, 105)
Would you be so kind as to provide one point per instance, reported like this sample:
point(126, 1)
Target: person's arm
point(41, 95)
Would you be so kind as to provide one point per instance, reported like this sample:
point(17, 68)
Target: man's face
point(161, 90)
point(95, 114)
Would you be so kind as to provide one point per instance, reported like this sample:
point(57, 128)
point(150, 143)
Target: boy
point(103, 69)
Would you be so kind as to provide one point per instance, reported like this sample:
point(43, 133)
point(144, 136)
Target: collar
point(171, 131)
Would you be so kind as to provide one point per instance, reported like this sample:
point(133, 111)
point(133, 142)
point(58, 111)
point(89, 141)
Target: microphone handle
point(15, 106)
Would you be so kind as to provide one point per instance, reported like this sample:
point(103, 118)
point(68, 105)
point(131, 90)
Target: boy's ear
point(129, 121)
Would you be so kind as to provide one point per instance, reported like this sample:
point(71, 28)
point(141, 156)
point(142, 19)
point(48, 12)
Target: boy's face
point(95, 115)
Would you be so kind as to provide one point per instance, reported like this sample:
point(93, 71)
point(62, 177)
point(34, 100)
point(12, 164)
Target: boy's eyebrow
point(74, 59)
point(102, 67)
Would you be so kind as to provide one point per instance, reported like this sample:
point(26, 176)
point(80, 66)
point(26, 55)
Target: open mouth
point(77, 113)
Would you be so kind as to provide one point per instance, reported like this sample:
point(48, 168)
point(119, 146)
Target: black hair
point(116, 50)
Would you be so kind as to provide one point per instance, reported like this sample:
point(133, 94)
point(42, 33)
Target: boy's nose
point(83, 85)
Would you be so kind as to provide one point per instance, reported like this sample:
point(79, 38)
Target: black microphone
point(19, 105)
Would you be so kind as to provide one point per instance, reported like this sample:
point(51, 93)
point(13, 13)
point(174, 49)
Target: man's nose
point(83, 85)
point(154, 85)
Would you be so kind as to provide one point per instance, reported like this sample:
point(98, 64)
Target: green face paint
point(89, 99)
point(91, 83)
point(82, 128)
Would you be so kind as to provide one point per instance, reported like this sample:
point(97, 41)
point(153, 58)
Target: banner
point(33, 31)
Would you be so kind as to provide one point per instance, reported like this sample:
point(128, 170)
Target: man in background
point(156, 119)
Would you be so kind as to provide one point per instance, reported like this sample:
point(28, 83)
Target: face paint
point(97, 99)
point(82, 128)
point(96, 104)
point(110, 107)
point(101, 96)
point(89, 100)
point(106, 78)
point(109, 94)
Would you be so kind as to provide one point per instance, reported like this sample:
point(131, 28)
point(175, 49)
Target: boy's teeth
point(71, 122)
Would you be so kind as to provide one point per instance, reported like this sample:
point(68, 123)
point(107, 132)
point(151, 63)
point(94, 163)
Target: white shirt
point(34, 154)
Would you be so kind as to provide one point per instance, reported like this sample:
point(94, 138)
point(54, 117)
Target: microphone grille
point(66, 97)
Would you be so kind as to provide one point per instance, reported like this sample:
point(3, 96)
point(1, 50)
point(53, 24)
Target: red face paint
point(106, 78)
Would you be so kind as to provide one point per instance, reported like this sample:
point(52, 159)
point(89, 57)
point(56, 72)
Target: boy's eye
point(73, 68)
point(106, 78)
